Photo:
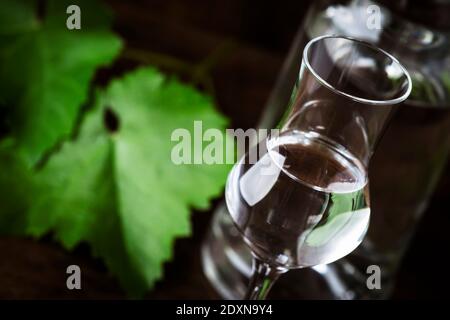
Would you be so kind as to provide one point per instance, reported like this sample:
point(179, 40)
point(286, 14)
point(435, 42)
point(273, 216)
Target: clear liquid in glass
point(303, 203)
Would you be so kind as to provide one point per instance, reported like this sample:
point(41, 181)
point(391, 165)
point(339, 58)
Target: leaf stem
point(199, 73)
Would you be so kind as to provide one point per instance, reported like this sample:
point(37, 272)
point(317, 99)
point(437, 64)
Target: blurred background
point(237, 49)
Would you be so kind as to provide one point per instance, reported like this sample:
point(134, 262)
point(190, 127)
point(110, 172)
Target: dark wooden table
point(241, 44)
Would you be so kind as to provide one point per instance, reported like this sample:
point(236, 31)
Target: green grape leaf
point(16, 189)
point(46, 69)
point(115, 186)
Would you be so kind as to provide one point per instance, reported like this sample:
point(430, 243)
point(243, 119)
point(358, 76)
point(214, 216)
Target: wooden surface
point(241, 45)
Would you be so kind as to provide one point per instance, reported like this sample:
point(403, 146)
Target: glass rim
point(399, 99)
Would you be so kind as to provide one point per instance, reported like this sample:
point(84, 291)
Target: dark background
point(234, 48)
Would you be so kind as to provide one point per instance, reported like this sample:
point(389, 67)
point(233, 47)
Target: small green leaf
point(45, 69)
point(116, 187)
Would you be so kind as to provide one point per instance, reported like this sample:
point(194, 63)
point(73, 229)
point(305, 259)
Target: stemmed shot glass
point(303, 200)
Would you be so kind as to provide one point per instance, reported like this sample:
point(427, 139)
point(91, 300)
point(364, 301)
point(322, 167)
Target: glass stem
point(262, 280)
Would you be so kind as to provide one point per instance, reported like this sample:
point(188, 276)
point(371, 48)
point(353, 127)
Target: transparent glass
point(404, 172)
point(414, 150)
point(304, 201)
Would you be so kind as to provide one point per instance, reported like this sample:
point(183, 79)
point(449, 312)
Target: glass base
point(226, 262)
